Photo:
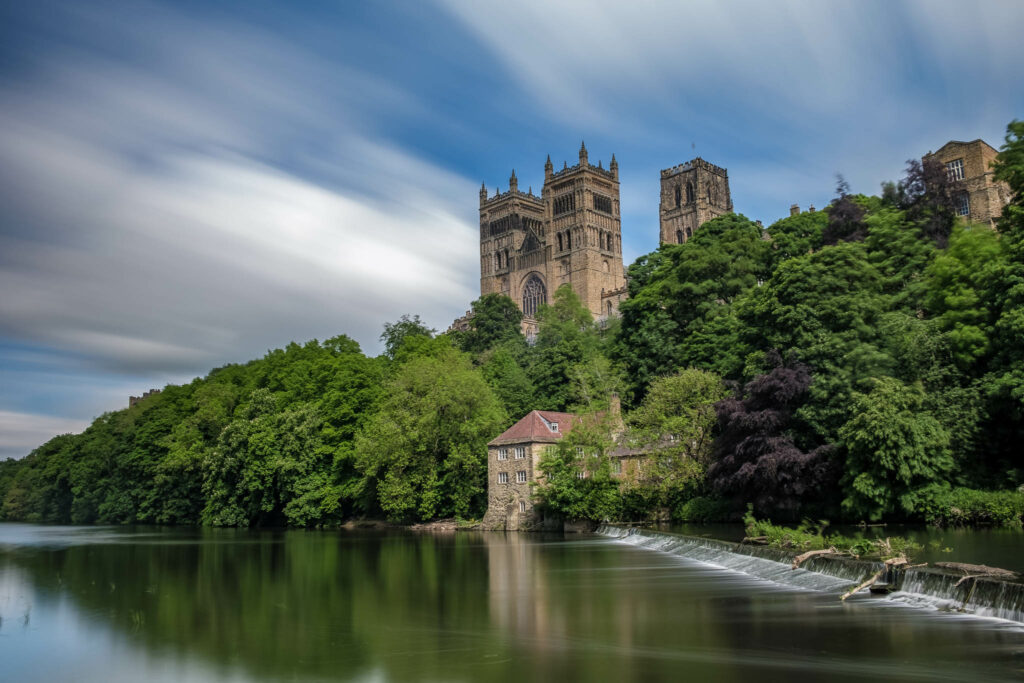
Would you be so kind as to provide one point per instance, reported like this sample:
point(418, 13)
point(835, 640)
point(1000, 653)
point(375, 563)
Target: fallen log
point(891, 563)
point(800, 559)
point(975, 570)
point(763, 540)
point(859, 587)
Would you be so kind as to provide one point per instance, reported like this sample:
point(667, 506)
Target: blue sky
point(188, 184)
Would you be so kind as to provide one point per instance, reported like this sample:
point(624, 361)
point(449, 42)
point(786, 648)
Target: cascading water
point(924, 586)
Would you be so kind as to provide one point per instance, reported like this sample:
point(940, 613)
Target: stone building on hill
point(572, 233)
point(692, 194)
point(983, 197)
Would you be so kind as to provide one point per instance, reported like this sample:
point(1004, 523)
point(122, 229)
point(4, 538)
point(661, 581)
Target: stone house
point(513, 464)
point(983, 198)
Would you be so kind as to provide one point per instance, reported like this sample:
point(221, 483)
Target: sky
point(189, 184)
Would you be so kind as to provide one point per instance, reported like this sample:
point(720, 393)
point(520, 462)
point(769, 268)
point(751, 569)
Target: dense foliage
point(861, 362)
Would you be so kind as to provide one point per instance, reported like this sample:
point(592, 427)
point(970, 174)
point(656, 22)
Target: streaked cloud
point(22, 432)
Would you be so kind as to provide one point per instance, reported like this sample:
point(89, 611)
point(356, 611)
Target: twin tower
point(572, 232)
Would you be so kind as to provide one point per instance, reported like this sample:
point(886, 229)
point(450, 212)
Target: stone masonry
point(983, 198)
point(692, 194)
point(571, 233)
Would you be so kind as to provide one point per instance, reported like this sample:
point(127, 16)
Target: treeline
point(862, 362)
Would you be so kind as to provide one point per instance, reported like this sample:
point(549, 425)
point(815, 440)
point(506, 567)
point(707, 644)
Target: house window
point(617, 466)
point(520, 452)
point(581, 474)
point(522, 506)
point(963, 204)
point(502, 477)
point(554, 427)
point(955, 170)
point(502, 454)
point(521, 477)
point(579, 451)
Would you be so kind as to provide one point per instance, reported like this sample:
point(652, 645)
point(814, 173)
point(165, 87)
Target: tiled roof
point(534, 427)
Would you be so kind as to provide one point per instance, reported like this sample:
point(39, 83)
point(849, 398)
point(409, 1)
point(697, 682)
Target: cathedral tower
point(571, 233)
point(692, 194)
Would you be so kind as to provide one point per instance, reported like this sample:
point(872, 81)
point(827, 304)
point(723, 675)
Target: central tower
point(692, 194)
point(571, 233)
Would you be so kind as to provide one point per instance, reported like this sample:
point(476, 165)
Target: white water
point(994, 600)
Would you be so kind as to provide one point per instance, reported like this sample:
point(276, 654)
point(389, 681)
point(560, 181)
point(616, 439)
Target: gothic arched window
point(679, 236)
point(691, 196)
point(709, 194)
point(559, 241)
point(689, 233)
point(679, 196)
point(609, 309)
point(534, 295)
point(568, 239)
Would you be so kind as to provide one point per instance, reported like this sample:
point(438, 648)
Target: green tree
point(496, 319)
point(424, 451)
point(674, 425)
point(395, 334)
point(578, 482)
point(894, 449)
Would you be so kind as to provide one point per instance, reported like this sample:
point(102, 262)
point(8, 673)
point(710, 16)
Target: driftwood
point(763, 540)
point(891, 563)
point(977, 570)
point(800, 559)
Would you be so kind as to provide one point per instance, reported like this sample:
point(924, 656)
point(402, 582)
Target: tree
point(568, 366)
point(577, 474)
point(495, 319)
point(845, 217)
point(692, 288)
point(674, 425)
point(894, 449)
point(755, 460)
point(397, 333)
point(928, 195)
point(424, 450)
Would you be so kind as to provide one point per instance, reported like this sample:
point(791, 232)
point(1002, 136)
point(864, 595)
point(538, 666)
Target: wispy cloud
point(22, 432)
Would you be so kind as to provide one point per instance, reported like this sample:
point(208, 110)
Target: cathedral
point(530, 245)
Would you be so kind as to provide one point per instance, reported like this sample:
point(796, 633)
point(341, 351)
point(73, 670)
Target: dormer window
point(554, 427)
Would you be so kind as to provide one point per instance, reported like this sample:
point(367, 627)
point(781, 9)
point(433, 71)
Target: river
point(123, 604)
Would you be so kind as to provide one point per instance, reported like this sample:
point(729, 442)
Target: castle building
point(692, 194)
point(983, 198)
point(571, 233)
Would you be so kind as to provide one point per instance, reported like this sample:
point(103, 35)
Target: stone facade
point(571, 233)
point(513, 463)
point(692, 194)
point(983, 197)
point(513, 460)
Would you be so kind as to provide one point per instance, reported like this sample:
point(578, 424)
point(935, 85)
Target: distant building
point(983, 198)
point(134, 400)
point(571, 234)
point(692, 194)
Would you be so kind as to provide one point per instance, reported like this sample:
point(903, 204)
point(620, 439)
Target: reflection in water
point(122, 604)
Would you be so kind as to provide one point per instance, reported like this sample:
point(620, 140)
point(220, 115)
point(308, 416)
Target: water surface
point(113, 604)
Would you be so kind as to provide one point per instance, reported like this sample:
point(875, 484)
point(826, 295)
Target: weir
point(924, 586)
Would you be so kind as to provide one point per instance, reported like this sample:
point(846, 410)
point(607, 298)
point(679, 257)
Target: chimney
point(794, 209)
